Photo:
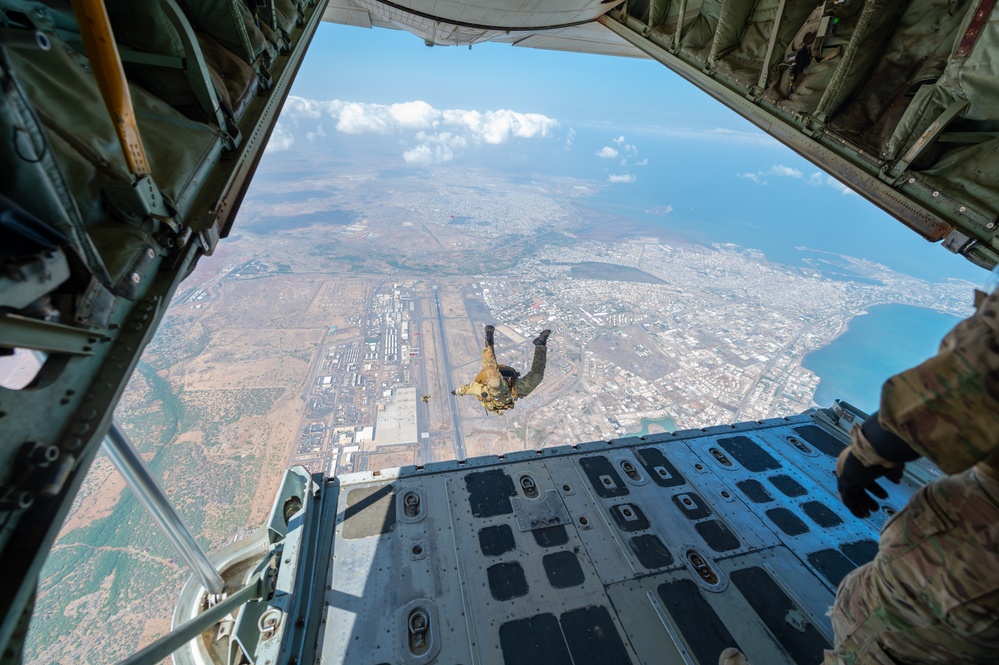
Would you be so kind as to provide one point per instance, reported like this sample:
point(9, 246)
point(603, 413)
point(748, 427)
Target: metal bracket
point(35, 277)
point(928, 138)
point(26, 333)
point(765, 72)
point(140, 200)
point(166, 645)
point(678, 35)
point(134, 57)
point(958, 242)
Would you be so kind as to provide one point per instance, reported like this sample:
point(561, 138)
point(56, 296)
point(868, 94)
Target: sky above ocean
point(626, 122)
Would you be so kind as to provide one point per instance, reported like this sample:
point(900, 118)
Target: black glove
point(887, 444)
point(453, 392)
point(855, 480)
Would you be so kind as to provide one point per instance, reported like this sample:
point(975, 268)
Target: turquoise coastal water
point(883, 342)
point(667, 424)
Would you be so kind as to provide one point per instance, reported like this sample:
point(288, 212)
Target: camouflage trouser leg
point(526, 384)
point(493, 378)
point(932, 593)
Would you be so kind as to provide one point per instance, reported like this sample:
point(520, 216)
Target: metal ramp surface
point(661, 549)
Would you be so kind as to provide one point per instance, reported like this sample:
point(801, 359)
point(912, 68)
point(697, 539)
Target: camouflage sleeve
point(864, 451)
point(468, 389)
point(948, 407)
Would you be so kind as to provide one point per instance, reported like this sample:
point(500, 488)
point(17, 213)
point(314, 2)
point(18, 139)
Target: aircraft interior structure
point(130, 132)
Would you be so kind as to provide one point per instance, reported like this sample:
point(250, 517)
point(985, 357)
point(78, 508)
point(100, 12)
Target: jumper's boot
point(490, 330)
point(542, 339)
point(732, 656)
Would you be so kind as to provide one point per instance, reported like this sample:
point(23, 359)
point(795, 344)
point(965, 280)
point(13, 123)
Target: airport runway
point(459, 440)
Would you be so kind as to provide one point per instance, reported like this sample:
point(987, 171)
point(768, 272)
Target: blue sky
point(565, 114)
point(387, 66)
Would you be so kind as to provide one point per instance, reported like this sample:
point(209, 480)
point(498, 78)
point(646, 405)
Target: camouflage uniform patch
point(932, 593)
point(948, 407)
point(498, 386)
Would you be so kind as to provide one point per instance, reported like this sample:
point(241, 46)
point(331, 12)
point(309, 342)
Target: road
point(421, 379)
point(766, 370)
point(459, 439)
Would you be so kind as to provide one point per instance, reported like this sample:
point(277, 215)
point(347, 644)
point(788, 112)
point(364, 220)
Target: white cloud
point(319, 133)
point(626, 150)
point(413, 115)
point(779, 170)
point(426, 154)
point(497, 127)
point(818, 178)
point(439, 134)
point(755, 177)
point(719, 134)
point(300, 107)
point(435, 148)
point(815, 179)
point(624, 177)
point(570, 139)
point(281, 139)
point(644, 162)
point(355, 119)
point(785, 171)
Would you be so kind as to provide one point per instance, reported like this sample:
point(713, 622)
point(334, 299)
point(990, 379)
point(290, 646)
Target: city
point(626, 354)
point(647, 333)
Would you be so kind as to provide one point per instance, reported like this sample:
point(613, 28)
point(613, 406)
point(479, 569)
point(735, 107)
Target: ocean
point(763, 197)
point(878, 344)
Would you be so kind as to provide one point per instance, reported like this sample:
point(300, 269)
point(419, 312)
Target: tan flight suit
point(497, 386)
point(931, 595)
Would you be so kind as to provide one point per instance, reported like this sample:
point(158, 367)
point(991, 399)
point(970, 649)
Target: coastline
point(879, 342)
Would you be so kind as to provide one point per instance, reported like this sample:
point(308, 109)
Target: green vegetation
point(553, 239)
point(171, 408)
point(356, 262)
point(612, 272)
point(212, 411)
point(122, 561)
point(325, 249)
point(175, 342)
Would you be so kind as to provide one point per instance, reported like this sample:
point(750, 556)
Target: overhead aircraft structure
point(129, 133)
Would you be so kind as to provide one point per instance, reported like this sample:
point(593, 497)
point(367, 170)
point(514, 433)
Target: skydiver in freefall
point(498, 386)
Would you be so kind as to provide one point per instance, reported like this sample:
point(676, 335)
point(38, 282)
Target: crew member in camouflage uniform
point(497, 386)
point(931, 595)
